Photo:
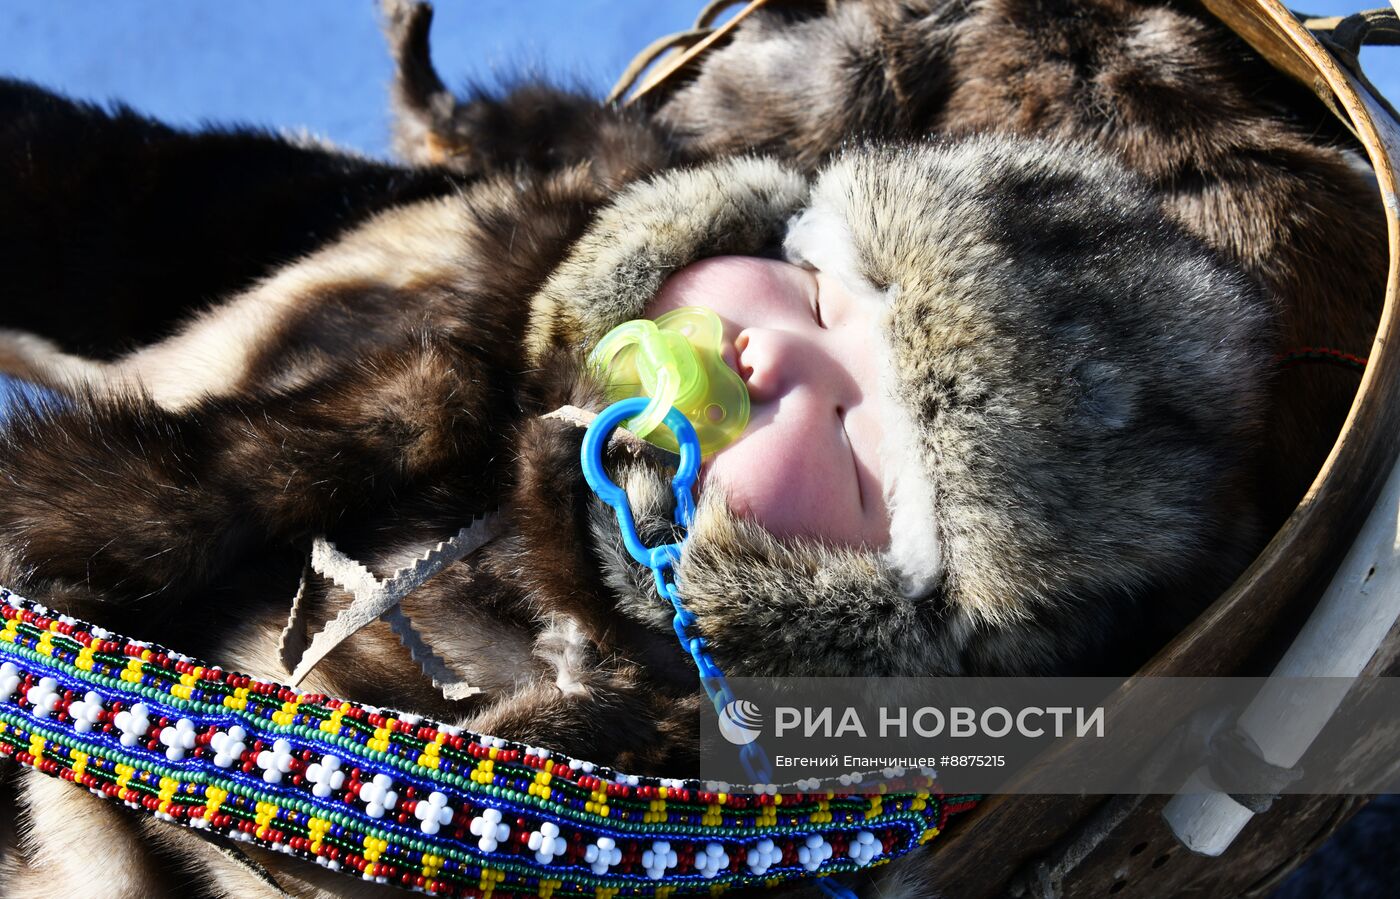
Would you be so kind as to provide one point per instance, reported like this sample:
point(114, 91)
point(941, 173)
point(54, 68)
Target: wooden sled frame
point(1049, 846)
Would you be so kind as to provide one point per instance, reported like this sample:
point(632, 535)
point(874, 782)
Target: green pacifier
point(675, 361)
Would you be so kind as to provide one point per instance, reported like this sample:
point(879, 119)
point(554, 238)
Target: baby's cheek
point(777, 485)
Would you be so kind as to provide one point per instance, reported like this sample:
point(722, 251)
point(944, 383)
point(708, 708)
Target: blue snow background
point(320, 66)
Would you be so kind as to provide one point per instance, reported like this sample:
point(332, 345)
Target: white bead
point(85, 712)
point(490, 829)
point(229, 746)
point(377, 796)
point(433, 812)
point(603, 855)
point(763, 856)
point(276, 761)
point(178, 738)
point(546, 843)
point(813, 852)
point(44, 697)
point(9, 681)
point(864, 848)
point(658, 858)
point(712, 861)
point(325, 775)
point(133, 723)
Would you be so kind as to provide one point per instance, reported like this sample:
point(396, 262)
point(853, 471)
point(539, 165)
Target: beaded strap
point(398, 799)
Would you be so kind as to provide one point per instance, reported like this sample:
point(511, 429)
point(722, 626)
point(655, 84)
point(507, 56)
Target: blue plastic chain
point(662, 561)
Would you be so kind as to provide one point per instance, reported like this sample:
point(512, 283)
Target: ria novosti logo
point(740, 722)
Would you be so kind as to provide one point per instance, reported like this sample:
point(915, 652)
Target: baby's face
point(808, 464)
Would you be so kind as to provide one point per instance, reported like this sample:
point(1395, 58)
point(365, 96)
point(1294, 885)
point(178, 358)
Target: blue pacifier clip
point(662, 560)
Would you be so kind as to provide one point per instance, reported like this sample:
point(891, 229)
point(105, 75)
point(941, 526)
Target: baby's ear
point(1106, 396)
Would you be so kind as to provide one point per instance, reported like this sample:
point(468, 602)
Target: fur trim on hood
point(1073, 384)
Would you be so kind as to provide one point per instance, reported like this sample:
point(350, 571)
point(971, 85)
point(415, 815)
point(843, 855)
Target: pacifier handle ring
point(687, 471)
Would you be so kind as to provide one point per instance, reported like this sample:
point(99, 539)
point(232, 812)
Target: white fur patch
point(565, 646)
point(910, 494)
point(821, 237)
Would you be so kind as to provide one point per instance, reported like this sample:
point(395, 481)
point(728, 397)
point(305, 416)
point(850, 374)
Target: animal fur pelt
point(1236, 152)
point(114, 226)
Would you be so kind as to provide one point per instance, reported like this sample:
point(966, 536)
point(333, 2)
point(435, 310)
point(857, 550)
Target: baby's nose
point(764, 360)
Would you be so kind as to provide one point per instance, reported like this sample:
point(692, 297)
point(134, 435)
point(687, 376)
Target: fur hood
point(1074, 387)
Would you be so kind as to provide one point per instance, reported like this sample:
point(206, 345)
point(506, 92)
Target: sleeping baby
point(1003, 419)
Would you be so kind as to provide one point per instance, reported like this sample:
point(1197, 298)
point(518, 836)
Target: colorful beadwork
point(399, 799)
